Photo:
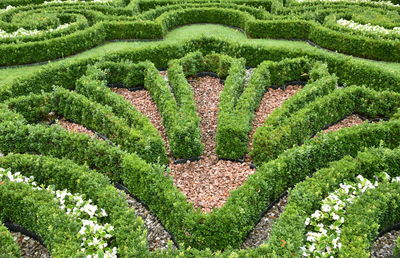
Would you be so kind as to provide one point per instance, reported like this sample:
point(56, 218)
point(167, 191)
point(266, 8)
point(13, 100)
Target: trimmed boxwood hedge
point(38, 212)
point(305, 198)
point(270, 141)
point(238, 101)
point(65, 174)
point(9, 247)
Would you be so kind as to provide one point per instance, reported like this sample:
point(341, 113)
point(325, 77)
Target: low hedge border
point(65, 174)
point(92, 115)
point(9, 247)
point(239, 102)
point(320, 83)
point(269, 141)
point(373, 211)
point(231, 222)
point(349, 71)
point(38, 212)
point(305, 198)
point(234, 15)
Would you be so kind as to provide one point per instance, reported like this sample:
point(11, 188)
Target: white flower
point(326, 208)
point(307, 222)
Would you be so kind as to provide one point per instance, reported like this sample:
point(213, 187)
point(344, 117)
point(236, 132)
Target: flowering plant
point(21, 32)
point(324, 225)
point(369, 28)
point(95, 236)
point(384, 3)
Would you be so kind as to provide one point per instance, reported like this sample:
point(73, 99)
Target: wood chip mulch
point(271, 100)
point(142, 101)
point(349, 121)
point(77, 128)
point(208, 182)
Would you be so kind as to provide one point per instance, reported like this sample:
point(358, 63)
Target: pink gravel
point(349, 121)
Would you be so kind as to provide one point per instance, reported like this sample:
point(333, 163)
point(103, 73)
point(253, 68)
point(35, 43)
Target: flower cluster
point(384, 3)
point(94, 235)
point(323, 239)
point(368, 27)
point(21, 32)
point(9, 7)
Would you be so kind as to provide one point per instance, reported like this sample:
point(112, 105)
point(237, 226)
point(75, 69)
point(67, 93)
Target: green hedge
point(396, 251)
point(306, 196)
point(64, 174)
point(173, 101)
point(304, 123)
point(95, 116)
point(38, 212)
point(8, 246)
point(224, 227)
point(239, 102)
point(151, 4)
point(372, 212)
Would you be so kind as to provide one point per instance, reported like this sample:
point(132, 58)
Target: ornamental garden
point(230, 128)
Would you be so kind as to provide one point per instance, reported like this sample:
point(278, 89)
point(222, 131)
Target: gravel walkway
point(157, 236)
point(383, 246)
point(261, 231)
point(30, 247)
point(77, 128)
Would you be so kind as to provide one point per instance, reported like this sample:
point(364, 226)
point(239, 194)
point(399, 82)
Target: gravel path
point(261, 231)
point(157, 236)
point(77, 128)
point(383, 246)
point(30, 247)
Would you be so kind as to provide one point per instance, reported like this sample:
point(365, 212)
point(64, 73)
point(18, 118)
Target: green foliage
point(65, 174)
point(8, 246)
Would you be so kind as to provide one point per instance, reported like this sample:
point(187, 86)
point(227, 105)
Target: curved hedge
point(86, 165)
point(305, 198)
point(65, 174)
point(38, 212)
point(9, 247)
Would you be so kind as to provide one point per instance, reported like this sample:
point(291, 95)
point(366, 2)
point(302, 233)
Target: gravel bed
point(261, 231)
point(30, 247)
point(207, 183)
point(157, 236)
point(349, 121)
point(142, 101)
point(271, 100)
point(383, 246)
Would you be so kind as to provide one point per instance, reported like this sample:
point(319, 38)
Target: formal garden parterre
point(277, 136)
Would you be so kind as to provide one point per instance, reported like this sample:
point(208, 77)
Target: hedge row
point(239, 102)
point(38, 212)
point(224, 227)
point(118, 28)
point(321, 83)
point(175, 102)
point(305, 198)
point(92, 115)
point(268, 5)
point(9, 247)
point(306, 122)
point(349, 71)
point(357, 45)
point(129, 231)
point(375, 210)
